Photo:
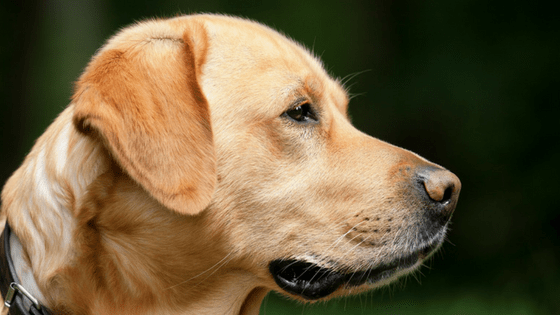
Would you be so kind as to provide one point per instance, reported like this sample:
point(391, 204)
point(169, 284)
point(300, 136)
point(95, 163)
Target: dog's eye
point(302, 113)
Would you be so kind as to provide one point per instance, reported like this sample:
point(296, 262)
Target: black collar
point(13, 293)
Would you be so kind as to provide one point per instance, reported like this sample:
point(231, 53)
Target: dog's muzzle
point(437, 190)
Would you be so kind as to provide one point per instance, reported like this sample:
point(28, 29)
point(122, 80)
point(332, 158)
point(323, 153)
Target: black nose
point(441, 189)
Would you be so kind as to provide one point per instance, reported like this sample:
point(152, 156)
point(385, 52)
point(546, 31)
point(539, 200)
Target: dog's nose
point(441, 188)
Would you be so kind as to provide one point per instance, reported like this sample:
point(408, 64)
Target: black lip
point(313, 282)
point(305, 279)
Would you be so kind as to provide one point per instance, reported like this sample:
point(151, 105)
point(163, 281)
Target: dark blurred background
point(470, 84)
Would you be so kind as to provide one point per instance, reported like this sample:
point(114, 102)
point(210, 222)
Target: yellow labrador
point(203, 161)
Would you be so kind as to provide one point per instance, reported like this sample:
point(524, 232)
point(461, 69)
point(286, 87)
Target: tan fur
point(172, 179)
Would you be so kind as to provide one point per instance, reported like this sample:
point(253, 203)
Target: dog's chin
point(312, 282)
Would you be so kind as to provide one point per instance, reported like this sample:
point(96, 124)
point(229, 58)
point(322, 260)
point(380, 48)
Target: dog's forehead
point(251, 39)
point(256, 59)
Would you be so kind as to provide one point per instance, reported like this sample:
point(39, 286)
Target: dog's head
point(225, 118)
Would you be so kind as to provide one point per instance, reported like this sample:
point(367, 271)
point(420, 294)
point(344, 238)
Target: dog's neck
point(46, 202)
point(40, 197)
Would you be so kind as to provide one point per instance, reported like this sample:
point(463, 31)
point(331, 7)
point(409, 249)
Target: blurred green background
point(469, 84)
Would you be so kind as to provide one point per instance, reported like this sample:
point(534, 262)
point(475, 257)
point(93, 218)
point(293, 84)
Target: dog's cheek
point(276, 189)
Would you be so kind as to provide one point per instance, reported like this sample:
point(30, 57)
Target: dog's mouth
point(313, 282)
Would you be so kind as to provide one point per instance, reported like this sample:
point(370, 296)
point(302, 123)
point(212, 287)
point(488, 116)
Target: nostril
point(441, 186)
point(447, 195)
point(438, 191)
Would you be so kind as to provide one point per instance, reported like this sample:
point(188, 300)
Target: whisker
point(353, 247)
point(217, 265)
point(447, 240)
point(418, 279)
point(351, 76)
point(340, 238)
point(215, 270)
point(353, 95)
point(349, 250)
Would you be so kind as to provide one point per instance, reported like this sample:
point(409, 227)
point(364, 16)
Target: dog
point(204, 161)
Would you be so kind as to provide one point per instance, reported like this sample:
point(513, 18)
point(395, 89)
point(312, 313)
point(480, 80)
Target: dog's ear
point(140, 95)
